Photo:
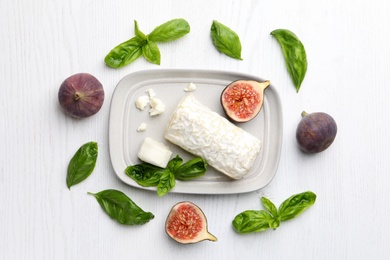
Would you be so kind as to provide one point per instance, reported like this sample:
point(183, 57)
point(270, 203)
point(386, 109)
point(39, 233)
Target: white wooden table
point(347, 43)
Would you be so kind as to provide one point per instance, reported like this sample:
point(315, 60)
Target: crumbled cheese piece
point(142, 127)
point(151, 93)
point(142, 102)
point(154, 152)
point(191, 87)
point(157, 107)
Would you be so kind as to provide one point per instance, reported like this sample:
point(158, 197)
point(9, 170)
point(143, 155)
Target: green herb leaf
point(121, 208)
point(169, 31)
point(145, 174)
point(125, 53)
point(167, 182)
point(226, 40)
point(270, 207)
point(82, 164)
point(294, 54)
point(174, 163)
point(138, 32)
point(151, 52)
point(296, 204)
point(194, 168)
point(251, 221)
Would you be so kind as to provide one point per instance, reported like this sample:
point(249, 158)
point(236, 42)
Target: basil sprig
point(164, 179)
point(121, 208)
point(82, 164)
point(294, 54)
point(226, 40)
point(128, 51)
point(250, 221)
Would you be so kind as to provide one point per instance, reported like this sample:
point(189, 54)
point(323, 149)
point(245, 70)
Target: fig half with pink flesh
point(187, 224)
point(242, 100)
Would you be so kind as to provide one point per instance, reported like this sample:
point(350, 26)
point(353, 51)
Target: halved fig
point(242, 99)
point(187, 224)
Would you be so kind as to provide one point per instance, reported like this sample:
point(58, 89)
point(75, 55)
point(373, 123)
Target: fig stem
point(303, 113)
point(263, 85)
point(211, 237)
point(76, 96)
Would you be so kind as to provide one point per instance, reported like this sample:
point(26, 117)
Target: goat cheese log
point(203, 132)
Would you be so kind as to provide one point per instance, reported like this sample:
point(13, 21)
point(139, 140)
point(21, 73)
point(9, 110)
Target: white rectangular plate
point(169, 85)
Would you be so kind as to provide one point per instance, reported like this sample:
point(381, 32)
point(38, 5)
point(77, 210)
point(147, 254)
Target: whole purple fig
point(316, 132)
point(81, 95)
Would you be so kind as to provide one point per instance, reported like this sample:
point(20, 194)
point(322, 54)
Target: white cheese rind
point(203, 132)
point(154, 152)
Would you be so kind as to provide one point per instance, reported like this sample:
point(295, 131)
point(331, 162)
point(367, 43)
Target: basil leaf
point(294, 54)
point(82, 164)
point(194, 168)
point(167, 182)
point(296, 204)
point(151, 52)
point(121, 208)
point(250, 221)
point(137, 31)
point(226, 40)
point(169, 31)
point(270, 207)
point(125, 53)
point(174, 163)
point(144, 174)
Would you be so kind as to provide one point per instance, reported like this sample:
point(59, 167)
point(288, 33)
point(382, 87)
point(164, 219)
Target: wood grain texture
point(347, 43)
